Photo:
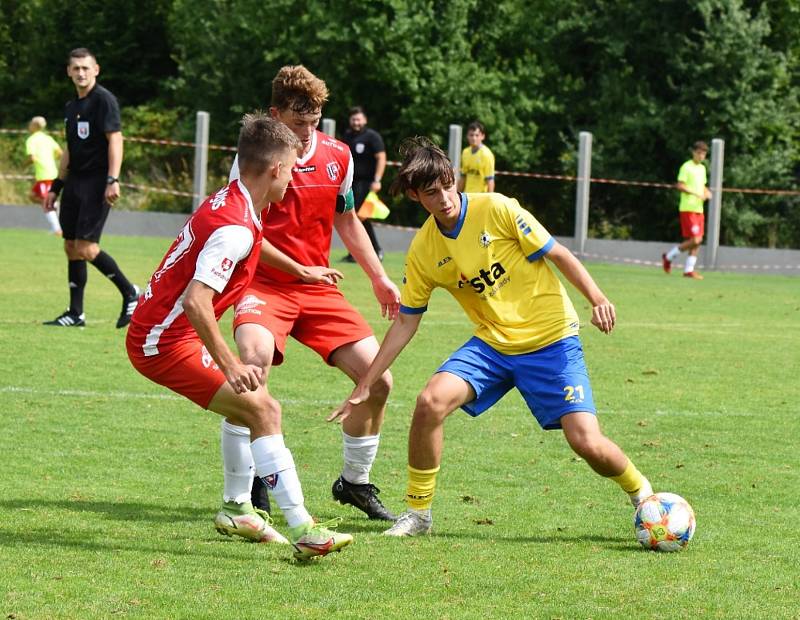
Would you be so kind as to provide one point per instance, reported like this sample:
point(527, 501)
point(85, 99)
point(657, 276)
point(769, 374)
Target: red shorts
point(316, 315)
point(186, 368)
point(692, 224)
point(40, 189)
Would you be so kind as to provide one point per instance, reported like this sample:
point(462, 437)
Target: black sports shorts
point(84, 208)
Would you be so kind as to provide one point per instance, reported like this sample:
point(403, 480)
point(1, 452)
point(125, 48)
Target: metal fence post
point(582, 191)
point(329, 127)
point(454, 147)
point(200, 159)
point(715, 204)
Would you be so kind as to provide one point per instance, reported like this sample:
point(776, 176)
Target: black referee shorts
point(83, 207)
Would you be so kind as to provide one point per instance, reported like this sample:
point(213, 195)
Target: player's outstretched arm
point(197, 304)
point(317, 274)
point(604, 315)
point(399, 335)
point(355, 239)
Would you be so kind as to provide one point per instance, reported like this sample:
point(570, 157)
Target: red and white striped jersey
point(301, 225)
point(219, 246)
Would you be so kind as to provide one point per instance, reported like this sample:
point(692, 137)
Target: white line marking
point(14, 389)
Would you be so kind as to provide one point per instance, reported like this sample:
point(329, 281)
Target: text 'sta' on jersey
point(493, 264)
point(219, 246)
point(301, 225)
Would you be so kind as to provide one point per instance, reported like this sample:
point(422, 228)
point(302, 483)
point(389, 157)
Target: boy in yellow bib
point(43, 151)
point(489, 253)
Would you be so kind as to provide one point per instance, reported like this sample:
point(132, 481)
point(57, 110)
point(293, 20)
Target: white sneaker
point(317, 539)
point(255, 526)
point(642, 494)
point(411, 523)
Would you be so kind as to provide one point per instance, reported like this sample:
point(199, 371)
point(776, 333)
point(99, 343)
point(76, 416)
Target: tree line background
point(647, 78)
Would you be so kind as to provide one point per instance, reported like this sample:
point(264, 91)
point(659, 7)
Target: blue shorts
point(553, 380)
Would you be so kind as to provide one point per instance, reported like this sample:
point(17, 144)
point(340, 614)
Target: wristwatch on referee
point(111, 180)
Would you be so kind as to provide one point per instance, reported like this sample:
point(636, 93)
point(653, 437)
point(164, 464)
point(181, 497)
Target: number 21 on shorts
point(574, 393)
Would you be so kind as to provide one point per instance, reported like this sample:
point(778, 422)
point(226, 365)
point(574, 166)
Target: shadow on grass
point(482, 533)
point(117, 511)
point(95, 541)
point(614, 543)
point(157, 513)
point(239, 550)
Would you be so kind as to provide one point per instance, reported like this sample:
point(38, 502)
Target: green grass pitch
point(110, 483)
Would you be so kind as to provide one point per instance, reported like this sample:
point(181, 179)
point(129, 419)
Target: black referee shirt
point(364, 145)
point(87, 121)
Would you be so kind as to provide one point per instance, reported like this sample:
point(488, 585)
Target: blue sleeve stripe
point(407, 310)
point(547, 247)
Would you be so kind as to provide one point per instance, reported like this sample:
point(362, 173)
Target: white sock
point(52, 220)
point(275, 466)
point(359, 455)
point(237, 463)
point(690, 263)
point(673, 253)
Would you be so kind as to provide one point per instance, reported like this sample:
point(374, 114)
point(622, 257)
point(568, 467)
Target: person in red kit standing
point(294, 294)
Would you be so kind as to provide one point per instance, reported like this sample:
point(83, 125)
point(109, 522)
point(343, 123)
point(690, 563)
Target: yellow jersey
point(44, 151)
point(493, 264)
point(694, 176)
point(477, 167)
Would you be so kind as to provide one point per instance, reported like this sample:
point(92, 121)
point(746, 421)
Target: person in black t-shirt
point(89, 175)
point(369, 163)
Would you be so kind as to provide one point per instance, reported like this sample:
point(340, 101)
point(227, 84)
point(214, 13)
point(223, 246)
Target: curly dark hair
point(424, 163)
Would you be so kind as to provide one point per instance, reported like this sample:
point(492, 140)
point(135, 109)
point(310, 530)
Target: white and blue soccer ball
point(664, 522)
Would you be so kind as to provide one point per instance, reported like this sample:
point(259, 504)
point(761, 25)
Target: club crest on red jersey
point(332, 169)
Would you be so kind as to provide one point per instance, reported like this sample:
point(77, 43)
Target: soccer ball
point(664, 522)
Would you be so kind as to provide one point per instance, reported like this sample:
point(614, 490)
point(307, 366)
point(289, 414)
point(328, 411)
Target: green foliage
point(127, 36)
point(171, 169)
point(647, 78)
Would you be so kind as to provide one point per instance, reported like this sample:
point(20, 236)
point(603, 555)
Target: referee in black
point(369, 163)
point(89, 176)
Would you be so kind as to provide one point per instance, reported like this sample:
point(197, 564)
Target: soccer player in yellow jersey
point(494, 258)
point(692, 186)
point(43, 151)
point(477, 162)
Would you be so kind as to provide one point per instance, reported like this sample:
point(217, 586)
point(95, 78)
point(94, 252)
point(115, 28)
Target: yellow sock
point(421, 483)
point(631, 480)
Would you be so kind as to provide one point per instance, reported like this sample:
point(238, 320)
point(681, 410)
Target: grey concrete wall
point(150, 224)
point(728, 258)
point(133, 223)
point(397, 239)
